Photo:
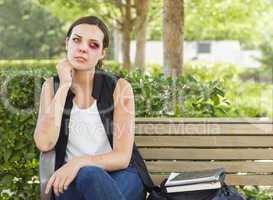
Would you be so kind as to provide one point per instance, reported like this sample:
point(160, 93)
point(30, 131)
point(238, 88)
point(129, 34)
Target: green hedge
point(155, 95)
point(247, 97)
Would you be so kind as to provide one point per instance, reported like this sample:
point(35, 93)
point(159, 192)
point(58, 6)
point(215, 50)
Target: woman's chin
point(81, 67)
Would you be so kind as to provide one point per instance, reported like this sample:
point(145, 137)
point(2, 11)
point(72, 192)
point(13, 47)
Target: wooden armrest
point(46, 169)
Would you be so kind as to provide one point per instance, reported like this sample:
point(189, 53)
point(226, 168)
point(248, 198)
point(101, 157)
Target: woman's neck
point(83, 80)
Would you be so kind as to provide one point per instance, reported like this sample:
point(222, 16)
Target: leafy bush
point(19, 164)
point(247, 98)
point(257, 193)
point(266, 48)
point(264, 73)
point(260, 75)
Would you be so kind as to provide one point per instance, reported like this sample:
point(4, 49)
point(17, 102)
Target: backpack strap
point(56, 83)
point(143, 171)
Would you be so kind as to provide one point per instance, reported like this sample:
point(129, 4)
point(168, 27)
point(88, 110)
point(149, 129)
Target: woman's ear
point(103, 54)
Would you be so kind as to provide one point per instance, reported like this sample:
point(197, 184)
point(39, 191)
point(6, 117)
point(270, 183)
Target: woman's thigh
point(129, 183)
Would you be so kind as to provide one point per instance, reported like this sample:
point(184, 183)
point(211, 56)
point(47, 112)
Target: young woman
point(87, 116)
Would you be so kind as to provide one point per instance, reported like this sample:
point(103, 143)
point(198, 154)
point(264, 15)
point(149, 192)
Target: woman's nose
point(83, 47)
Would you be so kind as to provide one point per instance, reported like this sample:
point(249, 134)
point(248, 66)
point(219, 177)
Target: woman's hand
point(65, 71)
point(61, 179)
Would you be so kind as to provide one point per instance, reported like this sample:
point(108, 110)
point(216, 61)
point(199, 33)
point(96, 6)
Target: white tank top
point(87, 135)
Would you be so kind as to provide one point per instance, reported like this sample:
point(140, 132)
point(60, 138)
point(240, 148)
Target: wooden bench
point(243, 147)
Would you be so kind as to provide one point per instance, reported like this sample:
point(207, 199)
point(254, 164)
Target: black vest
point(103, 88)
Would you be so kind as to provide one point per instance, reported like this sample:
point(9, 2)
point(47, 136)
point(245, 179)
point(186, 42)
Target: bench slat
point(261, 180)
point(188, 129)
point(172, 120)
point(206, 154)
point(229, 166)
point(204, 141)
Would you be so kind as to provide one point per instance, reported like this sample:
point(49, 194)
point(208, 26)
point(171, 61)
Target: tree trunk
point(173, 37)
point(117, 43)
point(126, 49)
point(142, 9)
point(126, 36)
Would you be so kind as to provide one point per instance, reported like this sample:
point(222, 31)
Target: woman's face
point(85, 46)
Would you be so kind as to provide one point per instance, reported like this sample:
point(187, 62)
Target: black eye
point(94, 45)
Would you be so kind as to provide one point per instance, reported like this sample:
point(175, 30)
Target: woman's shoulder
point(48, 83)
point(106, 74)
point(123, 87)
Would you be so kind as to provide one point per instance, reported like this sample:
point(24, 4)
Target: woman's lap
point(127, 182)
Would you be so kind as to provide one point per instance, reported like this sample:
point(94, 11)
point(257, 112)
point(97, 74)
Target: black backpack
point(223, 193)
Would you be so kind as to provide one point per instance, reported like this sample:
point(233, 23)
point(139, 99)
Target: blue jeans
point(94, 183)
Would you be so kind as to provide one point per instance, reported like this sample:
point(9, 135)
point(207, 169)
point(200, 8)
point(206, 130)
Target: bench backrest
point(243, 147)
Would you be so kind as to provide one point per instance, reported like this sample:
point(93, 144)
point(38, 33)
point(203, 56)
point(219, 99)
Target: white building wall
point(221, 51)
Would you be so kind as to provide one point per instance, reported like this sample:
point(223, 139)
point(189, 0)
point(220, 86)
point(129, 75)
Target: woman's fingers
point(56, 186)
point(64, 69)
point(60, 180)
point(61, 185)
point(67, 182)
point(50, 183)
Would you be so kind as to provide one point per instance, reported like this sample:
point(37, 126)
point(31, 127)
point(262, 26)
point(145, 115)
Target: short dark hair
point(92, 20)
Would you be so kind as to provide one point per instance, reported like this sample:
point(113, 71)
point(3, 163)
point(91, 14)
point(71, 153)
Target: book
point(194, 187)
point(185, 178)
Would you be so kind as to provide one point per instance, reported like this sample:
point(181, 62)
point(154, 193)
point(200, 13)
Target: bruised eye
point(94, 45)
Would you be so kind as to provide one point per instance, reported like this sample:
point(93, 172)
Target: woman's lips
point(81, 59)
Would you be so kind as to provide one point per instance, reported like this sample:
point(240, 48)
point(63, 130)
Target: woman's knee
point(90, 174)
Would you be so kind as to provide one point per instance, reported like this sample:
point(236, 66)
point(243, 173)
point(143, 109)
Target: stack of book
point(195, 180)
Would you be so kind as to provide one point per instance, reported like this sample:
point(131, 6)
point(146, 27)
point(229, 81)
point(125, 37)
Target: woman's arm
point(123, 132)
point(48, 125)
point(50, 114)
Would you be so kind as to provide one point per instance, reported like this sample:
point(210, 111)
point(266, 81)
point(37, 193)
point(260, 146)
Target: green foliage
point(242, 20)
point(18, 114)
point(155, 20)
point(28, 31)
point(266, 45)
point(69, 10)
point(247, 97)
point(267, 50)
point(250, 99)
point(264, 73)
point(223, 20)
point(257, 193)
point(157, 96)
point(27, 64)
